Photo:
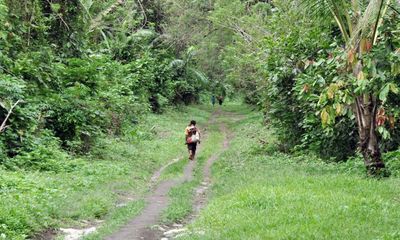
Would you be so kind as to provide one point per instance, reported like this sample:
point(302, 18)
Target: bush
point(392, 161)
point(77, 86)
point(46, 155)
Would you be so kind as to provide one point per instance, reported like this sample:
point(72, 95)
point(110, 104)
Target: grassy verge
point(275, 196)
point(175, 170)
point(116, 172)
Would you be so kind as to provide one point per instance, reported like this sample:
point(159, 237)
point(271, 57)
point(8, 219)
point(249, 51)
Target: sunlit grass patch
point(302, 208)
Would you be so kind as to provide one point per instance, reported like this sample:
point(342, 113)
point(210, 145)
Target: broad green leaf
point(395, 68)
point(322, 99)
point(393, 88)
point(384, 93)
point(87, 4)
point(384, 132)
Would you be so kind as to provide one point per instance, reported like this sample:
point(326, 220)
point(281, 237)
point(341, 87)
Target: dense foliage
point(79, 77)
point(301, 63)
point(76, 70)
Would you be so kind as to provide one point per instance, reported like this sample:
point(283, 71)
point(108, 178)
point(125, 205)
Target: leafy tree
point(360, 26)
point(80, 70)
point(195, 80)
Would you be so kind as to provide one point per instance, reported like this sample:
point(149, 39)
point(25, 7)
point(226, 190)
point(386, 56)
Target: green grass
point(117, 171)
point(275, 196)
point(175, 170)
point(116, 219)
point(256, 193)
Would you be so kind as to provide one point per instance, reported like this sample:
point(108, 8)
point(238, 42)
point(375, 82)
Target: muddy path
point(158, 200)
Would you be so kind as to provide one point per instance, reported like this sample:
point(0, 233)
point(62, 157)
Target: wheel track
point(158, 200)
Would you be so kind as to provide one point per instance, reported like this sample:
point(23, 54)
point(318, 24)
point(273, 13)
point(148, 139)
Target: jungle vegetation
point(78, 77)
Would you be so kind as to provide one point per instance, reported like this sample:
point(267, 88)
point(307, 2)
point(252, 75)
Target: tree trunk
point(365, 109)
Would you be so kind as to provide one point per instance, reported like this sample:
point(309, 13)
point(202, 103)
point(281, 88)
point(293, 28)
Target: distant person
point(192, 137)
point(213, 100)
point(220, 100)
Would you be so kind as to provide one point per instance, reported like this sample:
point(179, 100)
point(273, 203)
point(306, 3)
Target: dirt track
point(158, 200)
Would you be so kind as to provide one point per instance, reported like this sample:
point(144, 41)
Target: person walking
point(192, 137)
point(213, 100)
point(220, 100)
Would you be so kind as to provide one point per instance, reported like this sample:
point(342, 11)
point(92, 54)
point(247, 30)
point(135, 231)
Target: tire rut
point(158, 200)
point(200, 199)
point(201, 192)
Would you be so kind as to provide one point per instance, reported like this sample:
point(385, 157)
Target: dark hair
point(193, 122)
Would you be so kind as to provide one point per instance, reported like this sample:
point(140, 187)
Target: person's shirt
point(188, 128)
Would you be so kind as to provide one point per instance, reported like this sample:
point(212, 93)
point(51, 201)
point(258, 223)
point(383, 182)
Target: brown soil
point(156, 202)
point(45, 235)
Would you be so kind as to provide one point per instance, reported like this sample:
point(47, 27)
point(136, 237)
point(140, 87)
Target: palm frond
point(199, 76)
point(98, 20)
point(366, 16)
point(338, 9)
point(190, 53)
point(371, 18)
point(177, 63)
point(86, 4)
point(317, 8)
point(393, 7)
point(379, 19)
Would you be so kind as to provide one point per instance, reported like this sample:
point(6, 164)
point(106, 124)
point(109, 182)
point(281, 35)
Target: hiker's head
point(193, 122)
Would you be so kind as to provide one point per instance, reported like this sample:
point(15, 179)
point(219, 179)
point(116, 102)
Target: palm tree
point(185, 65)
point(359, 22)
point(193, 79)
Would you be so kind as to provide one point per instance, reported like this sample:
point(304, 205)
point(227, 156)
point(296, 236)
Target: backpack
point(193, 136)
